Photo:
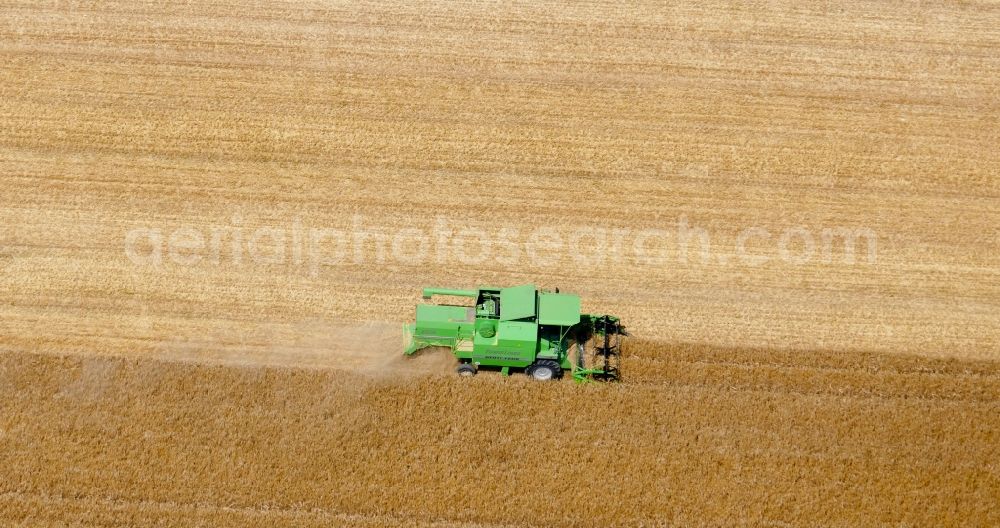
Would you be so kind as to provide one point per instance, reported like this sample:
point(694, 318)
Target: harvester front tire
point(466, 370)
point(545, 370)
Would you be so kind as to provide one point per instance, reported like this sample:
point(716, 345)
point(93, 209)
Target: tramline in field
point(521, 327)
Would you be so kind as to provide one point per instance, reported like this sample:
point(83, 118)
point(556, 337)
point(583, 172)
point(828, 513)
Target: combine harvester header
point(520, 327)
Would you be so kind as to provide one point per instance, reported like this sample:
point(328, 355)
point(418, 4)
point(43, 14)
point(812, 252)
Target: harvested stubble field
point(217, 388)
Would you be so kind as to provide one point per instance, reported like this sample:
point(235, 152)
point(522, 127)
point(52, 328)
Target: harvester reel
point(607, 349)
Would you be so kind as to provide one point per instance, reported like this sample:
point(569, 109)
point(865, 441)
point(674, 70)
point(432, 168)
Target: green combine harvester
point(520, 327)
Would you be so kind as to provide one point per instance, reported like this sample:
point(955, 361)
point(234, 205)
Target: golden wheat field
point(215, 217)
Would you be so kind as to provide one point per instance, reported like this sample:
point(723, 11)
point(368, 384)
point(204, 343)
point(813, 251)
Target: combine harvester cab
point(520, 327)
